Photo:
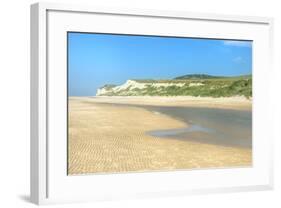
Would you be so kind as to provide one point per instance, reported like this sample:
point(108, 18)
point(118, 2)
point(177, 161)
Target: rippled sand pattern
point(108, 138)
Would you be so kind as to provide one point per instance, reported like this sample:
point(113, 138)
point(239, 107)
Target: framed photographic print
point(137, 103)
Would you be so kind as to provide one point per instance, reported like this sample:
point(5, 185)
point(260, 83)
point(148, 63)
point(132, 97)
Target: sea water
point(208, 125)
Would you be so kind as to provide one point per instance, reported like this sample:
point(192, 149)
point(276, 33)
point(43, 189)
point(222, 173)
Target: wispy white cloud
point(237, 43)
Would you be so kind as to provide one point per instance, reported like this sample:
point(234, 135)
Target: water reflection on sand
point(215, 126)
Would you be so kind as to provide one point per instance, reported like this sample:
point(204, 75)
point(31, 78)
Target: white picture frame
point(49, 181)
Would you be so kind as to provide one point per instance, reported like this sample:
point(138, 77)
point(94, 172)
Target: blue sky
point(98, 59)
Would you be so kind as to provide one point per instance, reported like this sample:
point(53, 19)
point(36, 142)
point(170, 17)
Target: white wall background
point(14, 102)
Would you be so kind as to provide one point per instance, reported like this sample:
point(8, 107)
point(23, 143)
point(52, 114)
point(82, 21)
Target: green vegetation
point(109, 86)
point(210, 88)
point(198, 76)
point(192, 85)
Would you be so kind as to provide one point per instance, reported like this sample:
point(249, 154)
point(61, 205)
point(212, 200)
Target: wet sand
point(106, 137)
point(208, 125)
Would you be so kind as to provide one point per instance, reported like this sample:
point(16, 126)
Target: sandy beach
point(106, 138)
point(239, 102)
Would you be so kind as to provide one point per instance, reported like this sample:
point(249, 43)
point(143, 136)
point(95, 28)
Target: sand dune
point(109, 138)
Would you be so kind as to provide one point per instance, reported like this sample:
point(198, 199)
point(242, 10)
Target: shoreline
point(236, 103)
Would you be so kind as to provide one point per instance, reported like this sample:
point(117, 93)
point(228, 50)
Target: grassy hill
point(187, 85)
point(198, 76)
